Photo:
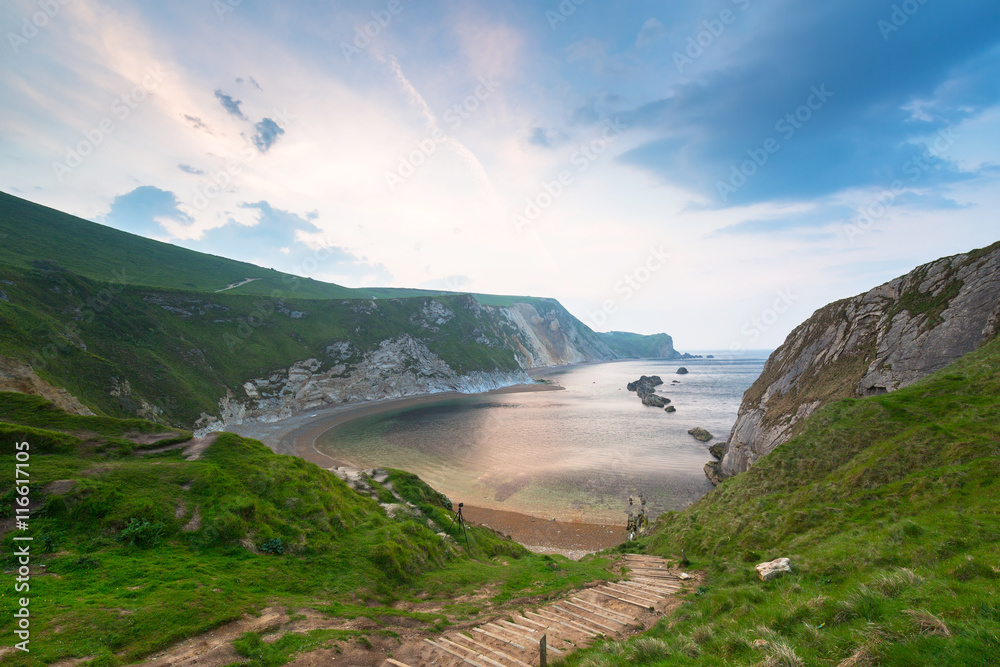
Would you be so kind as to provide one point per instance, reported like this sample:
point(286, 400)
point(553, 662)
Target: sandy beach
point(298, 434)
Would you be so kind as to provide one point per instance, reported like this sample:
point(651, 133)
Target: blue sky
point(716, 170)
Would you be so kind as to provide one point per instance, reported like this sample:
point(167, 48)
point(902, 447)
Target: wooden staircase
point(613, 610)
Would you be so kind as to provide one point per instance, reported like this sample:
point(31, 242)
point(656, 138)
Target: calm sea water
point(572, 454)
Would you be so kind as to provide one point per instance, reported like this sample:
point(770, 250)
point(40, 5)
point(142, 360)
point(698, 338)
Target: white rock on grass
point(774, 569)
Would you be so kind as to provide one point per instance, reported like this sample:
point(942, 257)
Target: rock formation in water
point(645, 388)
point(870, 344)
point(700, 434)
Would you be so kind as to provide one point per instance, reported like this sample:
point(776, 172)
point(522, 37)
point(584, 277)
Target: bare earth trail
point(298, 434)
point(503, 636)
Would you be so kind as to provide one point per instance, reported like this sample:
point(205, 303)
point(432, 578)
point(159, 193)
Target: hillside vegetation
point(132, 554)
point(179, 351)
point(890, 512)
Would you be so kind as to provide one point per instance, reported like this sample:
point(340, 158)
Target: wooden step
point(485, 647)
point(534, 640)
point(569, 622)
point(515, 625)
point(584, 620)
point(477, 654)
point(633, 591)
point(636, 587)
point(610, 594)
point(396, 663)
point(452, 653)
point(628, 620)
point(530, 641)
point(656, 585)
point(596, 612)
point(499, 638)
point(566, 623)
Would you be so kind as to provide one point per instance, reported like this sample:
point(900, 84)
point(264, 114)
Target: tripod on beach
point(460, 520)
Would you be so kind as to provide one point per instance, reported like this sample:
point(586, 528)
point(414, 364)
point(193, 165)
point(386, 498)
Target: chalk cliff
point(536, 334)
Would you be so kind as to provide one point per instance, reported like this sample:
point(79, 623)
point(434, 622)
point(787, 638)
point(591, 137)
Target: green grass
point(889, 509)
point(37, 235)
point(129, 570)
point(37, 412)
point(179, 352)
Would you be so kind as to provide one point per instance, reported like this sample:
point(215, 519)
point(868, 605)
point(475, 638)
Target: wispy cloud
point(231, 105)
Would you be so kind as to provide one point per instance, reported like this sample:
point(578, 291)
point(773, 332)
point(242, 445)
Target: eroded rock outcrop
point(401, 366)
point(867, 345)
point(19, 377)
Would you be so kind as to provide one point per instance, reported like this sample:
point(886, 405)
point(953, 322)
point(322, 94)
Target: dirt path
point(504, 636)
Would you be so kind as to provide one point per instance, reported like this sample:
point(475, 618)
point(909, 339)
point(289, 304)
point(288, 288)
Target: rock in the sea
point(717, 450)
point(682, 371)
point(712, 472)
point(670, 408)
point(645, 388)
point(646, 381)
point(774, 569)
point(701, 434)
point(654, 401)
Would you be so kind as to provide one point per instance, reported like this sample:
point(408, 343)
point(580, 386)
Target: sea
point(575, 454)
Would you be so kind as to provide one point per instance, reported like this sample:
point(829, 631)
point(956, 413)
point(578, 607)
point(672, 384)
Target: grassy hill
point(179, 351)
point(131, 554)
point(656, 346)
point(36, 235)
point(889, 510)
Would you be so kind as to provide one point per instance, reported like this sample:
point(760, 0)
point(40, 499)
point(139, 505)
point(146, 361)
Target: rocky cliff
point(870, 344)
point(536, 334)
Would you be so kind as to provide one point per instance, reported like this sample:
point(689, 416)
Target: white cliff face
point(546, 340)
point(402, 366)
point(543, 335)
point(871, 344)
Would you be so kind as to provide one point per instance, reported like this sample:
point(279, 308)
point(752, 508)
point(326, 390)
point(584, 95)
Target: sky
point(713, 170)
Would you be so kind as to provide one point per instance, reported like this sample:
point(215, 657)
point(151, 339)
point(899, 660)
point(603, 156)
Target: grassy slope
point(118, 600)
point(180, 350)
point(640, 346)
point(889, 509)
point(33, 233)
